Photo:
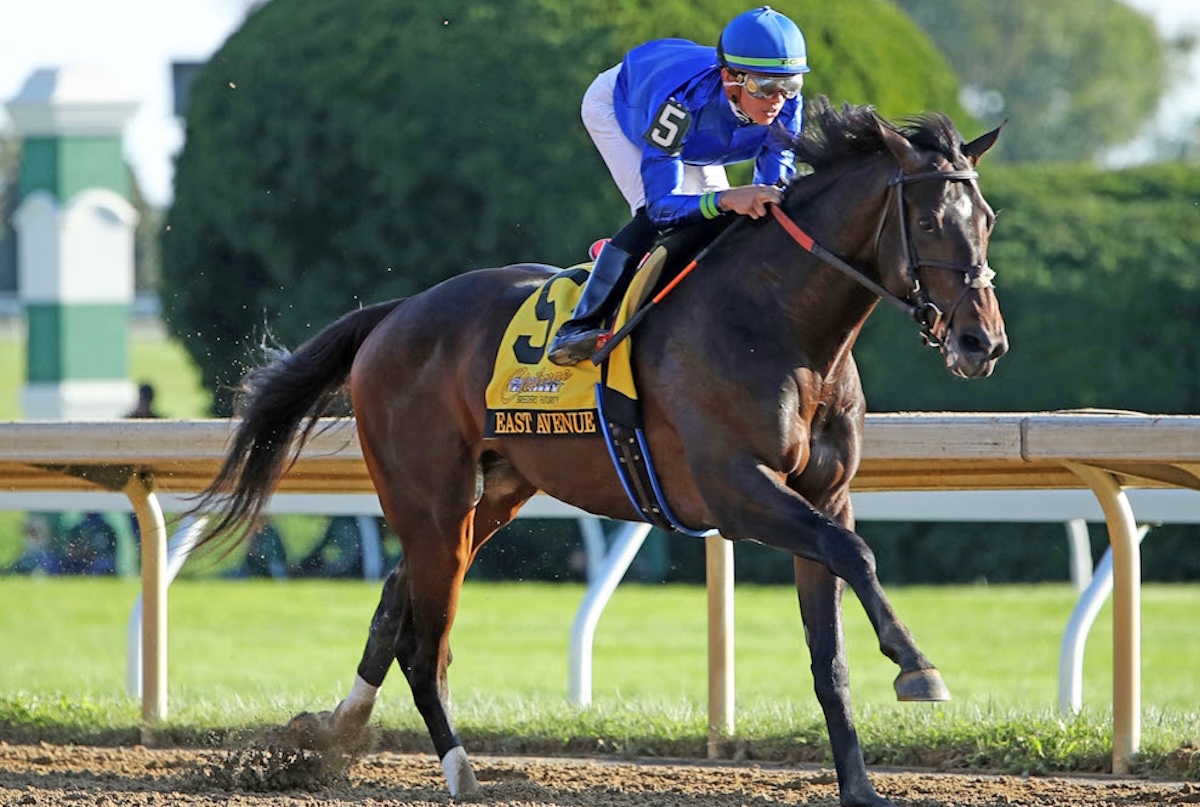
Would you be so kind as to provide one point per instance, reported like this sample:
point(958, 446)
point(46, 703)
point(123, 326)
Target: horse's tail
point(274, 402)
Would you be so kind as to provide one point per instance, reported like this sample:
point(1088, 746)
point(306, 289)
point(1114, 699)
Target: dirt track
point(45, 775)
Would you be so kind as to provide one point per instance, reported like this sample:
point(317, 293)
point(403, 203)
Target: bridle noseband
point(929, 318)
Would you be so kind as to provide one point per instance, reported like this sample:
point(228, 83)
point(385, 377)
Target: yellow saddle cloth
point(529, 395)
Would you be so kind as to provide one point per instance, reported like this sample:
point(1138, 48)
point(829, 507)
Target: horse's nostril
point(977, 343)
point(971, 343)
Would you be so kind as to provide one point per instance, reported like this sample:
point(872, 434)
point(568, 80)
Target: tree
point(339, 153)
point(1070, 77)
point(1173, 134)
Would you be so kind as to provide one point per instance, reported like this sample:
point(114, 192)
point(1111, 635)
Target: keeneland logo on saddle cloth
point(527, 394)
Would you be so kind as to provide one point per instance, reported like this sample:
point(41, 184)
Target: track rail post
point(1127, 620)
point(718, 563)
point(151, 525)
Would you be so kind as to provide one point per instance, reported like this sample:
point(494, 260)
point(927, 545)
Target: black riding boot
point(614, 269)
point(577, 339)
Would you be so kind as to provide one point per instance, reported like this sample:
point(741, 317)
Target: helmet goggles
point(765, 87)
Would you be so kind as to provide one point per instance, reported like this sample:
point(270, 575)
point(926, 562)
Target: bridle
point(916, 304)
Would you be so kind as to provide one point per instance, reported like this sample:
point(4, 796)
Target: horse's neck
point(817, 309)
point(827, 311)
point(777, 304)
point(842, 211)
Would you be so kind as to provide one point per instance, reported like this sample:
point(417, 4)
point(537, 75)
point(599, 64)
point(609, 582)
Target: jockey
point(667, 120)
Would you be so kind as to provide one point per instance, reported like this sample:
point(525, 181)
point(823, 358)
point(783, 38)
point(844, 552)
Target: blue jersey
point(669, 99)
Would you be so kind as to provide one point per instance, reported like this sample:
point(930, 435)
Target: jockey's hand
point(750, 200)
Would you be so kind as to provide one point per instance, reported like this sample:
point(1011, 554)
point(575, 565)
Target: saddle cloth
point(529, 395)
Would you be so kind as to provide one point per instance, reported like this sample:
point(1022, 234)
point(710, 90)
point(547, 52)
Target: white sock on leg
point(361, 694)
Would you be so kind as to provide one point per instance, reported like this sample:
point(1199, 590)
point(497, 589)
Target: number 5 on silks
point(670, 125)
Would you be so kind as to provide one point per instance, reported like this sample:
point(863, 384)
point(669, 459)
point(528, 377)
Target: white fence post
point(583, 632)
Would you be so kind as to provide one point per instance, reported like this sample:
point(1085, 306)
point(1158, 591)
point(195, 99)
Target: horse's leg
point(437, 561)
point(847, 555)
point(411, 626)
point(919, 679)
point(820, 595)
point(412, 622)
point(782, 518)
point(423, 651)
point(853, 561)
point(390, 638)
point(341, 734)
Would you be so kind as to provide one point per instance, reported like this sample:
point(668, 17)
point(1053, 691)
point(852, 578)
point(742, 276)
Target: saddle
point(672, 251)
point(529, 396)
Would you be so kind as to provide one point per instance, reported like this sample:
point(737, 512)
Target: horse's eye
point(925, 223)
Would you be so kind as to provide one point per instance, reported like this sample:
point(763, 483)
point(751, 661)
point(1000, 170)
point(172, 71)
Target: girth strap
point(630, 454)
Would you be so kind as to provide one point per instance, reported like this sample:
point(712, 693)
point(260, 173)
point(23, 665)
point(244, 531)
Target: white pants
point(624, 158)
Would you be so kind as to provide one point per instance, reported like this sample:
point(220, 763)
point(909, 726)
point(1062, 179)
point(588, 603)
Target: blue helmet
point(763, 41)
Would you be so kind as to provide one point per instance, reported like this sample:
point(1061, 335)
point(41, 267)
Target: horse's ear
point(904, 152)
point(974, 150)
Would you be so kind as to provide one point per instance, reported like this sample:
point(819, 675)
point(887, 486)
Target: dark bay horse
point(753, 409)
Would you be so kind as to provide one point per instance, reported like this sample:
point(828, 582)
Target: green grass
point(12, 377)
point(248, 654)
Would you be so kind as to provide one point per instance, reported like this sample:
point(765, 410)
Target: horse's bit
point(929, 318)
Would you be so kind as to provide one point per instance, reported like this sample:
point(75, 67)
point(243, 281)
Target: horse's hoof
point(921, 685)
point(339, 741)
point(308, 731)
point(460, 778)
point(862, 795)
point(874, 801)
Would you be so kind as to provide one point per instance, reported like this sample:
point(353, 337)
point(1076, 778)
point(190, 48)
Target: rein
point(929, 318)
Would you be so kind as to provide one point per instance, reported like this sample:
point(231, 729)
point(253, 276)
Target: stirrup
point(568, 349)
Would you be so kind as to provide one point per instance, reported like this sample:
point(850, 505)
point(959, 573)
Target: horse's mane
point(832, 136)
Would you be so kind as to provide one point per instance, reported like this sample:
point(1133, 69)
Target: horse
point(752, 403)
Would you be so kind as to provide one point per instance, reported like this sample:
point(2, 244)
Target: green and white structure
point(75, 241)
